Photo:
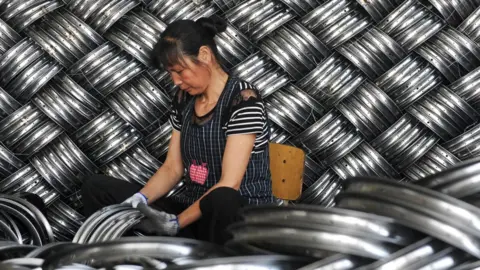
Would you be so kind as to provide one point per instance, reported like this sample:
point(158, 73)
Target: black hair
point(184, 38)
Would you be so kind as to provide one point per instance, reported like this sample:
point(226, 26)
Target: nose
point(176, 79)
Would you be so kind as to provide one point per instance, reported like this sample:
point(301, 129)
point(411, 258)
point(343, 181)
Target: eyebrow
point(172, 69)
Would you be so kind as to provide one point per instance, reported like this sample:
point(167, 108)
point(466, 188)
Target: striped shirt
point(246, 114)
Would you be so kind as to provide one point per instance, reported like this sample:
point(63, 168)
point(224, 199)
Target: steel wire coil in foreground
point(20, 217)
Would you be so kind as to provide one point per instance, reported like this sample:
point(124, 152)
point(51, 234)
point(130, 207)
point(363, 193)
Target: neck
point(216, 86)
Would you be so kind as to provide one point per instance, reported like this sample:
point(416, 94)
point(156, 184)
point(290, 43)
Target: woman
point(220, 138)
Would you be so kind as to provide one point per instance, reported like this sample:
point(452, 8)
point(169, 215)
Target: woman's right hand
point(136, 199)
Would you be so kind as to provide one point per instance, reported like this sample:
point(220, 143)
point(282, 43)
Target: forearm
point(193, 212)
point(164, 179)
point(234, 163)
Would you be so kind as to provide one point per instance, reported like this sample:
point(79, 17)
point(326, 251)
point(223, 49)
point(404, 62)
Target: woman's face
point(190, 77)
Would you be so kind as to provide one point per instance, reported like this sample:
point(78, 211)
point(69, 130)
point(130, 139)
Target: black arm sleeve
point(177, 106)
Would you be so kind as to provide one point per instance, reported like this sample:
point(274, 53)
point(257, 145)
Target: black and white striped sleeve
point(248, 114)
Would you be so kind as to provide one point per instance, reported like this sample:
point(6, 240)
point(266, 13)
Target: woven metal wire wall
point(368, 88)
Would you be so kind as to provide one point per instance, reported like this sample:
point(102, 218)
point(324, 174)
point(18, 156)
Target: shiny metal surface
point(105, 69)
point(27, 262)
point(25, 68)
point(11, 250)
point(65, 102)
point(27, 217)
point(465, 87)
point(411, 24)
point(336, 21)
point(8, 37)
point(259, 18)
point(377, 88)
point(365, 161)
point(337, 262)
point(312, 172)
point(451, 52)
point(135, 165)
point(445, 113)
point(294, 240)
point(468, 266)
point(8, 104)
point(292, 109)
point(271, 262)
point(141, 103)
point(9, 162)
point(28, 130)
point(446, 259)
point(329, 139)
point(262, 72)
point(169, 11)
point(106, 137)
point(64, 220)
point(379, 9)
point(28, 179)
point(165, 249)
point(454, 12)
point(442, 207)
point(49, 249)
point(102, 14)
point(470, 25)
point(157, 142)
point(164, 79)
point(458, 181)
point(63, 165)
point(313, 217)
point(301, 7)
point(103, 225)
point(409, 256)
point(409, 80)
point(64, 36)
point(465, 145)
point(405, 142)
point(370, 110)
point(278, 134)
point(224, 5)
point(233, 46)
point(137, 33)
point(437, 159)
point(332, 80)
point(19, 14)
point(374, 52)
point(433, 213)
point(322, 190)
point(294, 48)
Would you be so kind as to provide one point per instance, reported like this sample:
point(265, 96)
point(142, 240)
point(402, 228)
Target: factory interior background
point(367, 88)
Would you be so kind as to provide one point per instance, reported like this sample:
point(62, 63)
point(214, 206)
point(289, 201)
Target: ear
point(205, 55)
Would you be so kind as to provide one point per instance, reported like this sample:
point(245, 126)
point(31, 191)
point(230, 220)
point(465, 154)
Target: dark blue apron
point(202, 148)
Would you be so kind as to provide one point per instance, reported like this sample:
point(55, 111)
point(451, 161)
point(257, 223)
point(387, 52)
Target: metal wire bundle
point(26, 67)
point(411, 24)
point(336, 21)
point(64, 36)
point(258, 18)
point(106, 137)
point(367, 88)
point(262, 72)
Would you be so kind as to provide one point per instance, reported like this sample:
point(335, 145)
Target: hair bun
point(213, 25)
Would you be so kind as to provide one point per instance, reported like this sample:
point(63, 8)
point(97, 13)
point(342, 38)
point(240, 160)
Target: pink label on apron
point(198, 173)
